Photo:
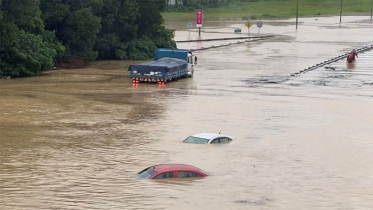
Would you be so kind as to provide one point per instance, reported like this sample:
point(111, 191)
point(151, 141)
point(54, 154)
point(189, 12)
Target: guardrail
point(225, 45)
point(335, 59)
point(223, 39)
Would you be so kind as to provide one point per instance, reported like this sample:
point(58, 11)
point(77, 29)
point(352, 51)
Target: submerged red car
point(163, 171)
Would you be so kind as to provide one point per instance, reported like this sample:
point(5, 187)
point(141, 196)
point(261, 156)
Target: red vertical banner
point(199, 16)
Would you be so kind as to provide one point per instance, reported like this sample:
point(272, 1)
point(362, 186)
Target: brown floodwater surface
point(75, 139)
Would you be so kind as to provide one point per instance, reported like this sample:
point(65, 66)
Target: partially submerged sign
point(248, 24)
point(237, 30)
point(199, 17)
point(259, 24)
point(189, 26)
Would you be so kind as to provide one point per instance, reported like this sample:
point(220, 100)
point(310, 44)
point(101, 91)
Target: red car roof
point(174, 167)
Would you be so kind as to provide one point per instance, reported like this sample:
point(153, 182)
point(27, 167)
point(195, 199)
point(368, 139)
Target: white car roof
point(209, 135)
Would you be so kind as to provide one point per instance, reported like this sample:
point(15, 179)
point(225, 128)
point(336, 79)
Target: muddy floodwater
point(75, 139)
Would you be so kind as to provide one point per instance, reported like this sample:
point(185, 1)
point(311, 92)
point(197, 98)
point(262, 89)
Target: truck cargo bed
point(164, 69)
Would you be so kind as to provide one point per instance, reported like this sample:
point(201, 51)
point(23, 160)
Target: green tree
point(52, 41)
point(132, 29)
point(24, 13)
point(150, 32)
point(34, 32)
point(81, 30)
point(151, 23)
point(150, 20)
point(137, 49)
point(119, 26)
point(54, 14)
point(94, 5)
point(25, 55)
point(23, 52)
point(75, 24)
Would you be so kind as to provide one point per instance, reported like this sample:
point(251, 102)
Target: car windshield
point(196, 140)
point(147, 173)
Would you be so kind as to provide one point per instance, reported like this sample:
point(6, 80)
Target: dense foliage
point(35, 34)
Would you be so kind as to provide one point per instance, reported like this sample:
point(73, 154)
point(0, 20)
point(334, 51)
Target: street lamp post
point(340, 13)
point(296, 22)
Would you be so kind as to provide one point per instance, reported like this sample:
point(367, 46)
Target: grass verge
point(276, 9)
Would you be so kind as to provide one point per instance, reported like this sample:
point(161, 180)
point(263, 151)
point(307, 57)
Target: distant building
point(173, 2)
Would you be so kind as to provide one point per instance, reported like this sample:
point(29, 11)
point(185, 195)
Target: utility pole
point(199, 28)
point(371, 10)
point(340, 13)
point(296, 23)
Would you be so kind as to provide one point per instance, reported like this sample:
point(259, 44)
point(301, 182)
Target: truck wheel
point(191, 75)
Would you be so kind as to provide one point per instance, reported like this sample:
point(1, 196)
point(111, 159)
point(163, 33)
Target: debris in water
point(259, 202)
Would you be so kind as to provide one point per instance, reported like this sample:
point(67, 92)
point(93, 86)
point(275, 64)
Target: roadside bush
point(252, 17)
point(53, 43)
point(268, 16)
point(138, 49)
point(164, 38)
point(25, 55)
point(180, 8)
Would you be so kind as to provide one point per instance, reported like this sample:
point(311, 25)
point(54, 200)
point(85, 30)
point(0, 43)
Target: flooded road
point(75, 139)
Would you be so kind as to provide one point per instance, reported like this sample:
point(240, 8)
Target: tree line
point(191, 5)
point(37, 34)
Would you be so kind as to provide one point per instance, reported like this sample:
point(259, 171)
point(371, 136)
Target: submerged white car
point(208, 138)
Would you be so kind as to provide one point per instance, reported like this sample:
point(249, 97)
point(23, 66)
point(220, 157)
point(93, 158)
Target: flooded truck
point(167, 65)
